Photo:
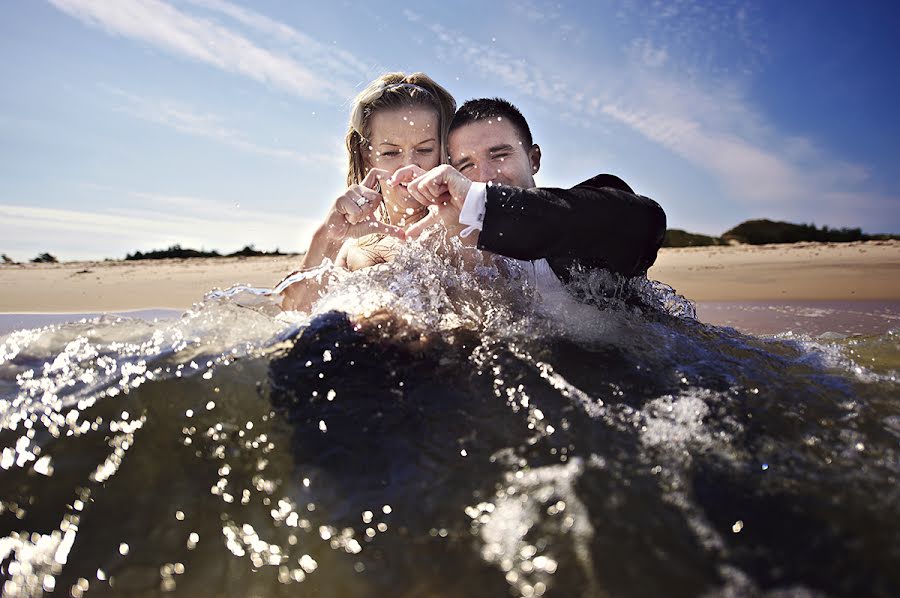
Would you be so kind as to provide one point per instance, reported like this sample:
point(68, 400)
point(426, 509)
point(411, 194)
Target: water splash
point(431, 427)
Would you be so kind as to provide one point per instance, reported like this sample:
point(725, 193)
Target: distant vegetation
point(751, 232)
point(176, 251)
point(45, 258)
point(249, 251)
point(679, 238)
point(761, 232)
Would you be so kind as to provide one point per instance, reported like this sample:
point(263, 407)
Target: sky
point(137, 124)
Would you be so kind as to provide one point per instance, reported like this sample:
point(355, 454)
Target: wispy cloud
point(164, 26)
point(311, 52)
point(707, 121)
point(187, 120)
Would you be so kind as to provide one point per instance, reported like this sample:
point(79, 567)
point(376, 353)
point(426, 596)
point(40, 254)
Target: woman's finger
point(349, 205)
point(368, 201)
point(367, 197)
point(375, 176)
point(414, 230)
point(405, 175)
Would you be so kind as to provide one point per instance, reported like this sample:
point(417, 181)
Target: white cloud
point(163, 26)
point(708, 122)
point(328, 57)
point(719, 131)
point(172, 114)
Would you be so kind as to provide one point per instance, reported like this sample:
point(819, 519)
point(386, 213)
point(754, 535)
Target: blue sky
point(135, 124)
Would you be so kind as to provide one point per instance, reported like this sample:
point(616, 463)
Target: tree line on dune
point(764, 232)
point(751, 232)
point(176, 251)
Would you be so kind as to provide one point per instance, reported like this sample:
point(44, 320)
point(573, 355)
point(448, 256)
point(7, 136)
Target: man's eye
point(500, 156)
point(426, 151)
point(466, 167)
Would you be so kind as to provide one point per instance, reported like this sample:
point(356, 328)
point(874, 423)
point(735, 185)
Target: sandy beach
point(771, 273)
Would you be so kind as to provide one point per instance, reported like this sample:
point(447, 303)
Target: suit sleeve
point(600, 223)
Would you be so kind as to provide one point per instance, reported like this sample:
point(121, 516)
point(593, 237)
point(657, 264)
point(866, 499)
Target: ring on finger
point(361, 201)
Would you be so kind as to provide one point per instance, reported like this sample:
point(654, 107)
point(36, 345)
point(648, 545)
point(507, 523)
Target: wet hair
point(484, 108)
point(392, 91)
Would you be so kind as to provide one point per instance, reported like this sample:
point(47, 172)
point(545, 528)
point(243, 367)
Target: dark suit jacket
point(600, 223)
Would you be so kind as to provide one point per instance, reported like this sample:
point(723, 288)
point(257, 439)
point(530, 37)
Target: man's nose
point(478, 174)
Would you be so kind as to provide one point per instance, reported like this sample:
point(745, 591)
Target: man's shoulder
point(606, 180)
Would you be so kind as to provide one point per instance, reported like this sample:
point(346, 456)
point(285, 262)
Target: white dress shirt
point(547, 285)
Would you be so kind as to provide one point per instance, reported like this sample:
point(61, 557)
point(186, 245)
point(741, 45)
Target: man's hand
point(442, 187)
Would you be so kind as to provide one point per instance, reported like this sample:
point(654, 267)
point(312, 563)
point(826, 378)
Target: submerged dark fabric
point(600, 223)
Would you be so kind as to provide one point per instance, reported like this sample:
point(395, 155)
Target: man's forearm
point(598, 226)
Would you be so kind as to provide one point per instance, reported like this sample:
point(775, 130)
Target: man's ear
point(534, 156)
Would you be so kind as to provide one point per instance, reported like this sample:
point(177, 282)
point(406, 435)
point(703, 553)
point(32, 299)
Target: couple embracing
point(415, 160)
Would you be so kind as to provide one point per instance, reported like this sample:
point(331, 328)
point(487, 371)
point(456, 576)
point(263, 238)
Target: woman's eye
point(426, 151)
point(390, 154)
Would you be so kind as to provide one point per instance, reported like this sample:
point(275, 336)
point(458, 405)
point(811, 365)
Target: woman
point(396, 121)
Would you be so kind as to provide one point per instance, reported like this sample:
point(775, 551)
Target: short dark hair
point(482, 108)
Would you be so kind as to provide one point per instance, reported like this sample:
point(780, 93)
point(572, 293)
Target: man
point(489, 189)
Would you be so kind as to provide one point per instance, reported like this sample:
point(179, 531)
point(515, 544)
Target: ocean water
point(430, 432)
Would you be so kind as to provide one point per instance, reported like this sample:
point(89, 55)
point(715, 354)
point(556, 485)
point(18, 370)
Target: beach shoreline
point(806, 272)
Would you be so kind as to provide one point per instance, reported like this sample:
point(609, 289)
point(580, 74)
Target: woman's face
point(401, 137)
point(404, 136)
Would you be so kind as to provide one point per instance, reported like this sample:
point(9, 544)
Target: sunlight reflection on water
point(427, 432)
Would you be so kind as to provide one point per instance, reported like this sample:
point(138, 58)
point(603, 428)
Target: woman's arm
point(352, 215)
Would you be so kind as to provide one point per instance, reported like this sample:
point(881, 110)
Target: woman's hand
point(353, 213)
point(443, 189)
point(351, 216)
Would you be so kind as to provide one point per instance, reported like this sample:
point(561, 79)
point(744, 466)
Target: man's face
point(491, 150)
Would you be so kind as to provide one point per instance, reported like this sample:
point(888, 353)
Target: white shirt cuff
point(472, 213)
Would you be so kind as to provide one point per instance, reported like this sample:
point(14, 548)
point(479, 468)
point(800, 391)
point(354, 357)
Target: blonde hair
point(394, 90)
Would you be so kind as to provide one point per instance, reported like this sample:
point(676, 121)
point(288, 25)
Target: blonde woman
point(398, 120)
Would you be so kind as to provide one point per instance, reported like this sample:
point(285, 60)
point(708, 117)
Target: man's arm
point(599, 223)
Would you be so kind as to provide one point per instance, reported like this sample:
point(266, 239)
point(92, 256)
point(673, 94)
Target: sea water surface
point(432, 431)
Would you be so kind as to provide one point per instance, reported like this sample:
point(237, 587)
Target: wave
point(428, 429)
